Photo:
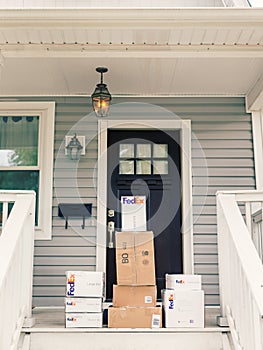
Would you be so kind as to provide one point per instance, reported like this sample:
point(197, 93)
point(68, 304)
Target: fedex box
point(86, 320)
point(135, 317)
point(183, 308)
point(83, 304)
point(134, 296)
point(183, 282)
point(85, 284)
point(135, 258)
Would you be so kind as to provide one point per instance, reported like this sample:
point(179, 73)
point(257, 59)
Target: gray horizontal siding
point(222, 158)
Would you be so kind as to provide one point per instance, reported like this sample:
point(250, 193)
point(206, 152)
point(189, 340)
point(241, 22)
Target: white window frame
point(46, 113)
point(184, 126)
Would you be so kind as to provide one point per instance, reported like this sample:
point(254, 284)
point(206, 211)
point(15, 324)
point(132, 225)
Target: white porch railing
point(16, 264)
point(240, 269)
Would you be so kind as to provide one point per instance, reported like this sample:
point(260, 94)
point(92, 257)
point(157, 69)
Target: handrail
point(240, 272)
point(16, 266)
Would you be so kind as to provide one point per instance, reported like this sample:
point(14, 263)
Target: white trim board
point(186, 183)
point(257, 129)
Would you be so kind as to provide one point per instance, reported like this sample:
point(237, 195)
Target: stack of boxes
point(83, 302)
point(183, 301)
point(134, 296)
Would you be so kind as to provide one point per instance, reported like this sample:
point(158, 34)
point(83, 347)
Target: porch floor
point(52, 319)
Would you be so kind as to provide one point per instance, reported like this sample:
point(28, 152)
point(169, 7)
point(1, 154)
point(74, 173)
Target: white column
point(257, 128)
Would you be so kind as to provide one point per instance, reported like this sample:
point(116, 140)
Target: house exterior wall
point(222, 159)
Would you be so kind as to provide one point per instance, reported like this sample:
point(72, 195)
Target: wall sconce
point(101, 97)
point(75, 146)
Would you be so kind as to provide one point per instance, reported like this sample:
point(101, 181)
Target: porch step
point(50, 333)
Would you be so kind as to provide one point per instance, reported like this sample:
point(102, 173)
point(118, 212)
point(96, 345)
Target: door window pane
point(19, 141)
point(126, 167)
point(126, 150)
point(143, 167)
point(160, 150)
point(160, 167)
point(143, 150)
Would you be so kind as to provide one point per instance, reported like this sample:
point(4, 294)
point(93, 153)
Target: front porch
point(240, 273)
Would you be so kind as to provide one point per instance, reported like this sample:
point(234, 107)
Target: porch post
point(257, 128)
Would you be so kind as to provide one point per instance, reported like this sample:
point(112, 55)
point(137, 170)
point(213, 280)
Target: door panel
point(144, 162)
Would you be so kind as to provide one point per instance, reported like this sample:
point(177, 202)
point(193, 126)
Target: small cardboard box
point(135, 317)
point(134, 296)
point(185, 282)
point(85, 284)
point(83, 304)
point(135, 258)
point(86, 320)
point(183, 308)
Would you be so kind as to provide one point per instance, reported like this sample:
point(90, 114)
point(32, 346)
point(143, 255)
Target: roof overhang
point(157, 51)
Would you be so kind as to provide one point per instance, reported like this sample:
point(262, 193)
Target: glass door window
point(143, 159)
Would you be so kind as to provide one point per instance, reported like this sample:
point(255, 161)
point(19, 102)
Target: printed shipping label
point(148, 299)
point(133, 213)
point(156, 321)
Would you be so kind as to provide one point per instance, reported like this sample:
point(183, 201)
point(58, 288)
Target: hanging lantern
point(101, 97)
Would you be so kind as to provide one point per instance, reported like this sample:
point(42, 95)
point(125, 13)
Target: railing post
point(249, 217)
point(5, 213)
point(223, 252)
point(29, 253)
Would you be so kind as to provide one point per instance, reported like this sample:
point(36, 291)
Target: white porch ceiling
point(147, 51)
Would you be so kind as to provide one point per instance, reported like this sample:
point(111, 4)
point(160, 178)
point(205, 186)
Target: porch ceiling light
point(74, 148)
point(101, 97)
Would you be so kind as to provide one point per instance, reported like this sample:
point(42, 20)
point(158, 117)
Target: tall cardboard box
point(134, 296)
point(135, 258)
point(135, 317)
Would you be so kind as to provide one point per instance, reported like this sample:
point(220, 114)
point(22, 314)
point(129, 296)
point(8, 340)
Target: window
point(26, 155)
point(143, 159)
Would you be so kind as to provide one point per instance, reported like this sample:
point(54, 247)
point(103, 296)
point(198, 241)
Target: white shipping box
point(84, 320)
point(85, 284)
point(83, 304)
point(183, 308)
point(180, 281)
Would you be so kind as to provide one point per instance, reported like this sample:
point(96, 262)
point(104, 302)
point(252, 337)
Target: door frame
point(184, 126)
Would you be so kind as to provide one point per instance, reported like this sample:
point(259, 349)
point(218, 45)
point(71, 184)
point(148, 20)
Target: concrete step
point(128, 340)
point(49, 333)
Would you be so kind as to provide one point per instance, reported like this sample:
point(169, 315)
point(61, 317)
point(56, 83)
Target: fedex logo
point(71, 303)
point(132, 200)
point(71, 319)
point(171, 301)
point(180, 282)
point(71, 285)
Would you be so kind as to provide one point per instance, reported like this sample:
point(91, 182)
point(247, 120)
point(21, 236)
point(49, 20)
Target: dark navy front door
point(147, 163)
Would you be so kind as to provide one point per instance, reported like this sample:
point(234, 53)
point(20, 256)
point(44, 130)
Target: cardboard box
point(85, 284)
point(183, 308)
point(134, 296)
point(183, 282)
point(135, 317)
point(83, 304)
point(135, 258)
point(86, 320)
